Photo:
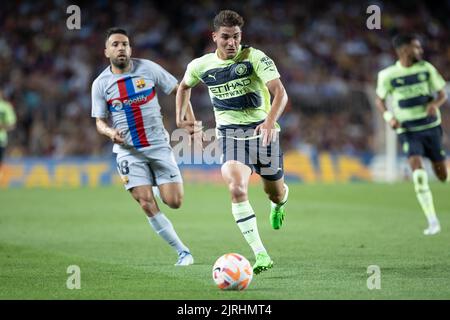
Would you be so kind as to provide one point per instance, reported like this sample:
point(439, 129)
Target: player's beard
point(121, 63)
point(416, 58)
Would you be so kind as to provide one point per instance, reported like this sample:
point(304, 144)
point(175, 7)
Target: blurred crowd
point(327, 57)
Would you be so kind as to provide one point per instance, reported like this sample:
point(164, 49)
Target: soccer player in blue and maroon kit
point(126, 92)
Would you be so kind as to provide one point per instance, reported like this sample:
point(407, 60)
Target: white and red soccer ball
point(232, 271)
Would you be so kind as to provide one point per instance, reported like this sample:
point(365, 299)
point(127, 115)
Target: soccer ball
point(232, 272)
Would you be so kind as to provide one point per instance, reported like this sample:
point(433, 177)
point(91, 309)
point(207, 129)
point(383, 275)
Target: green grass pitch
point(332, 233)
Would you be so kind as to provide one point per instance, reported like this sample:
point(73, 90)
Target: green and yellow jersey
point(7, 118)
point(411, 88)
point(237, 87)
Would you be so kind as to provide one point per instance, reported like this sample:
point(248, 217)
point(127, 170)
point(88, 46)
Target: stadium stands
point(323, 50)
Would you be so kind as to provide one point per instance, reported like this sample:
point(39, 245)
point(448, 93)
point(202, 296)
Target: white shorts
point(154, 166)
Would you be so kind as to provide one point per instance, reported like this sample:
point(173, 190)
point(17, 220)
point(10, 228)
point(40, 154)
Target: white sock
point(164, 228)
point(424, 195)
point(246, 220)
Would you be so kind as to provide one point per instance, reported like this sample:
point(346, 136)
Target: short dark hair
point(228, 18)
point(115, 30)
point(403, 39)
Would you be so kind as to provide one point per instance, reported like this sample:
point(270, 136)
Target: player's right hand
point(197, 135)
point(394, 123)
point(189, 126)
point(432, 109)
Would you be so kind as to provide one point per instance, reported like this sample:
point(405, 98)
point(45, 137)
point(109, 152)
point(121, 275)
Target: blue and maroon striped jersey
point(131, 100)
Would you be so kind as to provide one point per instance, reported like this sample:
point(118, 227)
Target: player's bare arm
point(387, 115)
point(280, 98)
point(185, 117)
point(104, 129)
point(434, 105)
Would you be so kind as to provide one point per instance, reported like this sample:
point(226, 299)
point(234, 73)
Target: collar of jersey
point(402, 67)
point(237, 53)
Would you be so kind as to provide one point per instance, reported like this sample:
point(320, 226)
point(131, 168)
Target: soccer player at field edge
point(240, 80)
point(126, 92)
point(416, 118)
point(7, 123)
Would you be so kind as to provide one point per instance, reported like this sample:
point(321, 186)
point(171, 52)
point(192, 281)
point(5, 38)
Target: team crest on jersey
point(422, 76)
point(400, 81)
point(140, 83)
point(240, 69)
point(125, 179)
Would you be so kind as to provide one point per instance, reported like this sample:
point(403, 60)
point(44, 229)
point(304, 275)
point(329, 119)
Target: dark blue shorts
point(237, 143)
point(426, 143)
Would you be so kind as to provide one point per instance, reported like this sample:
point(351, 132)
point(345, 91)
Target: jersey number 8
point(123, 167)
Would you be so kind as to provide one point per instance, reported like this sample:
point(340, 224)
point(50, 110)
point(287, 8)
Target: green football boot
point(277, 217)
point(263, 263)
point(277, 212)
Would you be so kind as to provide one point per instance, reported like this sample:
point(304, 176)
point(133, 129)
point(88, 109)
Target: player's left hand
point(432, 109)
point(268, 132)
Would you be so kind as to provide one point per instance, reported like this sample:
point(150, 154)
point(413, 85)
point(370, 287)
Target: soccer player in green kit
point(412, 82)
point(240, 80)
point(7, 123)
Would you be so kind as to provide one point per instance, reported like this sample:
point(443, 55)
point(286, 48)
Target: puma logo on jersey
point(212, 76)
